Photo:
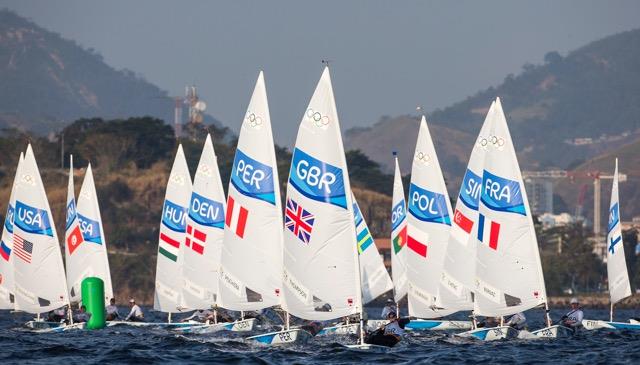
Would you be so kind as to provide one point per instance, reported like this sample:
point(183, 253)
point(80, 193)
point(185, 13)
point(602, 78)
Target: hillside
point(593, 92)
point(47, 81)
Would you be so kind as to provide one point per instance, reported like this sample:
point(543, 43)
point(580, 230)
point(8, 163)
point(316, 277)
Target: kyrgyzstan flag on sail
point(75, 239)
point(488, 230)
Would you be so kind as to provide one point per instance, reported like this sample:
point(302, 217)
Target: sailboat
point(85, 243)
point(374, 275)
point(6, 245)
point(509, 276)
point(619, 287)
point(173, 230)
point(40, 282)
point(398, 237)
point(429, 223)
point(456, 284)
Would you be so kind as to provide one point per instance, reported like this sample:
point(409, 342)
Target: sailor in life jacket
point(388, 308)
point(517, 321)
point(394, 327)
point(574, 318)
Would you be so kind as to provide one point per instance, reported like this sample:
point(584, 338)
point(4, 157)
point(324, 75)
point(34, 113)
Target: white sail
point(40, 283)
point(85, 242)
point(374, 276)
point(619, 287)
point(508, 271)
point(6, 245)
point(458, 272)
point(398, 236)
point(429, 223)
point(205, 225)
point(173, 226)
point(321, 277)
point(251, 274)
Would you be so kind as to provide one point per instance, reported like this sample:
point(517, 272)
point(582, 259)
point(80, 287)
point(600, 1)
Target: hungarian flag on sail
point(399, 240)
point(22, 248)
point(488, 230)
point(195, 239)
point(168, 247)
point(74, 240)
point(5, 251)
point(298, 221)
point(236, 218)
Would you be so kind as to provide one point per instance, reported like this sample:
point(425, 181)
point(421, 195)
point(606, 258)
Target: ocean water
point(125, 344)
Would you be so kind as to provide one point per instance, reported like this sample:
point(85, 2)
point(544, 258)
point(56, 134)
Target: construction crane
point(597, 176)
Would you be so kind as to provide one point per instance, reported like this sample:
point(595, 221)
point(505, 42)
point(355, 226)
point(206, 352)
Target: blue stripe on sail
point(480, 227)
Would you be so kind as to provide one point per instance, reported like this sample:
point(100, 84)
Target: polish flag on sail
point(236, 218)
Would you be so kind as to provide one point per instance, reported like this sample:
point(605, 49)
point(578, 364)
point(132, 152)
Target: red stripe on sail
point(169, 240)
point(417, 246)
point(227, 219)
point(462, 221)
point(242, 221)
point(493, 238)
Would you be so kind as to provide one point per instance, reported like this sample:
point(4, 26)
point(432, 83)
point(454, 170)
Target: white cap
point(132, 300)
point(574, 301)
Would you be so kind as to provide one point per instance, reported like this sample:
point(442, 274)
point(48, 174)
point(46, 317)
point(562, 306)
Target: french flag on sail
point(488, 230)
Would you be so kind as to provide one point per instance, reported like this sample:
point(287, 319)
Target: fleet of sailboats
point(313, 258)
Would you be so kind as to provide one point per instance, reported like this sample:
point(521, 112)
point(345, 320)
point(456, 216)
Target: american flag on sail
point(298, 221)
point(22, 248)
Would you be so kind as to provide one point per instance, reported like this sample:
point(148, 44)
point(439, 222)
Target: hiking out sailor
point(517, 321)
point(390, 334)
point(82, 315)
point(573, 318)
point(390, 306)
point(136, 314)
point(200, 315)
point(488, 322)
point(112, 311)
point(58, 315)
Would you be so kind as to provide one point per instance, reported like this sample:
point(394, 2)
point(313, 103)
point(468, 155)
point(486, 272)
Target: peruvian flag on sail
point(236, 218)
point(488, 231)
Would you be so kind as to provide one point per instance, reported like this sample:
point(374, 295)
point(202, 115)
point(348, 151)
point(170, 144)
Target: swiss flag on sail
point(74, 240)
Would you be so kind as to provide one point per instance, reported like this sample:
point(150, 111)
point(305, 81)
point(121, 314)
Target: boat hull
point(245, 325)
point(556, 331)
point(38, 325)
point(341, 329)
point(437, 325)
point(291, 336)
point(63, 328)
point(491, 334)
point(152, 324)
point(368, 347)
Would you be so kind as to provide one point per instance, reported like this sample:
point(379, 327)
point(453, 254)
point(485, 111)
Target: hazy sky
point(388, 56)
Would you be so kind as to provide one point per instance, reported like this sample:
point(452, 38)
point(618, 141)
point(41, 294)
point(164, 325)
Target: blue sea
point(125, 344)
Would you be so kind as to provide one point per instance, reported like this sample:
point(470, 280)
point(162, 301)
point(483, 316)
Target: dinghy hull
point(368, 347)
point(491, 334)
point(341, 329)
point(556, 331)
point(437, 325)
point(292, 336)
point(245, 325)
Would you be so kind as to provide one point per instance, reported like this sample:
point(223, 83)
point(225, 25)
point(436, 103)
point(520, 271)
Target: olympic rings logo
point(423, 158)
point(253, 120)
point(205, 170)
point(28, 179)
point(318, 119)
point(178, 179)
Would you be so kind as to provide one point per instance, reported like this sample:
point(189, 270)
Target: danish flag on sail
point(195, 239)
point(493, 230)
point(236, 218)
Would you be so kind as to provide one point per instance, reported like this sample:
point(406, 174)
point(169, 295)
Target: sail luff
point(7, 288)
point(398, 236)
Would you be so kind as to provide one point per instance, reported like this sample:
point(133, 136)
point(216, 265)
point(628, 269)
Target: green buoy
point(93, 299)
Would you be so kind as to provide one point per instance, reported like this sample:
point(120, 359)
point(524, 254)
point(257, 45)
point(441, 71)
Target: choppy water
point(145, 345)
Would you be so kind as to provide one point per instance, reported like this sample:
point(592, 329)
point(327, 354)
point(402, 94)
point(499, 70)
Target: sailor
point(58, 315)
point(136, 314)
point(112, 311)
point(488, 322)
point(388, 308)
point(390, 334)
point(517, 321)
point(201, 315)
point(82, 316)
point(573, 318)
